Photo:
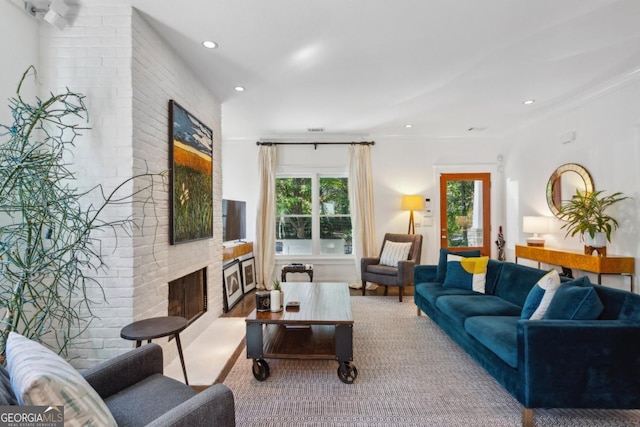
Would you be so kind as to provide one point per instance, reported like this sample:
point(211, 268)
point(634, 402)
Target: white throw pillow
point(394, 252)
point(540, 296)
point(41, 377)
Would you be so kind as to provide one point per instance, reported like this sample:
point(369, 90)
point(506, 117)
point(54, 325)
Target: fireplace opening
point(188, 295)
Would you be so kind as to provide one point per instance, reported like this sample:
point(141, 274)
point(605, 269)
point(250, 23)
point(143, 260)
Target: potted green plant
point(277, 296)
point(50, 230)
point(586, 216)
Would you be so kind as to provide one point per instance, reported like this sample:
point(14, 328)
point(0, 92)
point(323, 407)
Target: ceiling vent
point(315, 130)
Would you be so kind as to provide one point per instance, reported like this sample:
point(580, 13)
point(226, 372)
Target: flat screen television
point(234, 218)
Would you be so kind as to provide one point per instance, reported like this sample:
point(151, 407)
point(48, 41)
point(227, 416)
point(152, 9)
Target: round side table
point(157, 327)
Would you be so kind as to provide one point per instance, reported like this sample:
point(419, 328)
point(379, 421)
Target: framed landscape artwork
point(232, 283)
point(248, 268)
point(190, 184)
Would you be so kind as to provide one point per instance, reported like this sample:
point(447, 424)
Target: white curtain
point(265, 252)
point(361, 204)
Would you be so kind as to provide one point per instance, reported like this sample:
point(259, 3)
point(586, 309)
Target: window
point(312, 215)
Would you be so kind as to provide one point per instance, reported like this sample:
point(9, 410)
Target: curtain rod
point(315, 144)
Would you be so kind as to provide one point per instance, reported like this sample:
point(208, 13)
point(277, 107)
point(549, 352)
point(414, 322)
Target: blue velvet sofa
point(542, 363)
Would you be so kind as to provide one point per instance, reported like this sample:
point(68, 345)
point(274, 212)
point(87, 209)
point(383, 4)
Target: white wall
point(158, 76)
point(399, 167)
point(607, 144)
point(128, 75)
point(19, 50)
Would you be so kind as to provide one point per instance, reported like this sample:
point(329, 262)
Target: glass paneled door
point(465, 211)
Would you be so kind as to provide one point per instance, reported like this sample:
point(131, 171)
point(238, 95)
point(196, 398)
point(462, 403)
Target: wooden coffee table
point(322, 328)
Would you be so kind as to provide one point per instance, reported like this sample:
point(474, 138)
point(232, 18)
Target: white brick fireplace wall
point(129, 74)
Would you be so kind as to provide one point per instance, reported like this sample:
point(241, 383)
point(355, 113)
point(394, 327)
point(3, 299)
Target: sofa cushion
point(540, 296)
point(466, 273)
point(515, 281)
point(498, 333)
point(433, 290)
point(575, 303)
point(460, 307)
point(442, 262)
point(41, 377)
point(385, 270)
point(158, 393)
point(618, 304)
point(394, 252)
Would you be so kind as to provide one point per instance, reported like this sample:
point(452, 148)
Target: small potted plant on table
point(277, 297)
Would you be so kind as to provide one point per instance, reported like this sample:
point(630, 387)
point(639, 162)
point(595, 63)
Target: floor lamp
point(412, 203)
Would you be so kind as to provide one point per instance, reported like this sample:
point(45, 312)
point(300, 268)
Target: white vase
point(276, 300)
point(599, 240)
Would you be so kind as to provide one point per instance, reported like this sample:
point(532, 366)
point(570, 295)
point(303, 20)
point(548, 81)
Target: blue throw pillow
point(575, 303)
point(466, 273)
point(540, 296)
point(441, 272)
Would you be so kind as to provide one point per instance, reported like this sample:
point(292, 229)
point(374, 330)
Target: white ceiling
point(365, 68)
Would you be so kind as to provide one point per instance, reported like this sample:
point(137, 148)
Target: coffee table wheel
point(347, 372)
point(260, 369)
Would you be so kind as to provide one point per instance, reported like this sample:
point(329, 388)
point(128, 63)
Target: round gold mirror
point(563, 184)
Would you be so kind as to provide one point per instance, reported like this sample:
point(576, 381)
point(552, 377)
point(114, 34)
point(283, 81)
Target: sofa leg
point(364, 286)
point(386, 291)
point(527, 417)
point(419, 312)
point(400, 292)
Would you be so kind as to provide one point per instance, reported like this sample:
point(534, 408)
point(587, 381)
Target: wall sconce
point(412, 203)
point(535, 225)
point(55, 14)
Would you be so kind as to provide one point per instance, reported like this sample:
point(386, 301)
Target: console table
point(600, 265)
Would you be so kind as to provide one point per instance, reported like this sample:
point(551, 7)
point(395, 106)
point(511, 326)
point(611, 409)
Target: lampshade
point(412, 203)
point(535, 224)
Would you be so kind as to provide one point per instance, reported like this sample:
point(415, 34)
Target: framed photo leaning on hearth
point(232, 284)
point(248, 269)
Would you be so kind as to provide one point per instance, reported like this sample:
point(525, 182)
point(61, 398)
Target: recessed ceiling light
point(528, 101)
point(239, 88)
point(209, 44)
point(408, 126)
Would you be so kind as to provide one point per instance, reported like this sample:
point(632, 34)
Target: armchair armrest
point(405, 271)
point(212, 407)
point(424, 273)
point(122, 371)
point(364, 262)
point(578, 364)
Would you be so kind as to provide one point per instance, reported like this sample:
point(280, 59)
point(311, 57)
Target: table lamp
point(535, 225)
point(412, 203)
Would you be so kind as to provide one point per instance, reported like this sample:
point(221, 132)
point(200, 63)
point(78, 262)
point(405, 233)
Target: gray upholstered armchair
point(137, 394)
point(375, 272)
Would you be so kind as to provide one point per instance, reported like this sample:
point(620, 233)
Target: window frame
point(315, 176)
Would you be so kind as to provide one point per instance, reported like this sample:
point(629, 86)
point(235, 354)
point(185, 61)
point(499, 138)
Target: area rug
point(409, 374)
